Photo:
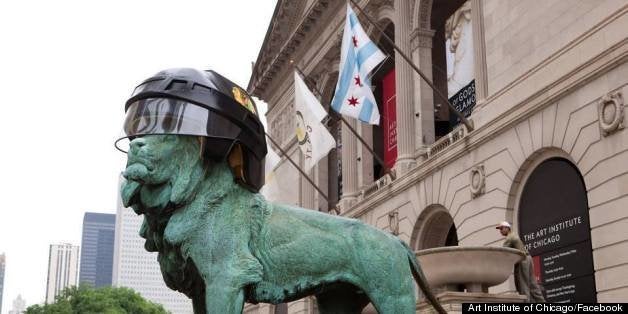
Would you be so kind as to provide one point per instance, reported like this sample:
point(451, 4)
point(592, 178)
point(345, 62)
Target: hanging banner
point(463, 101)
point(460, 59)
point(389, 119)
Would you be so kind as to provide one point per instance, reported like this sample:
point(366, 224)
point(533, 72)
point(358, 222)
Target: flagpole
point(463, 119)
point(298, 168)
point(376, 156)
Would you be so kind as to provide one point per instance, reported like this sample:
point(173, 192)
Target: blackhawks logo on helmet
point(244, 99)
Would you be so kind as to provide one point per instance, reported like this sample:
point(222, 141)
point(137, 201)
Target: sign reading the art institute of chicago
point(554, 225)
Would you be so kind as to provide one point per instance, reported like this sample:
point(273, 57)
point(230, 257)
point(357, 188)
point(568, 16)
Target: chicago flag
point(358, 57)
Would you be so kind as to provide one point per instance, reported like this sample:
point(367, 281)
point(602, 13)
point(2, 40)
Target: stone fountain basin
point(475, 267)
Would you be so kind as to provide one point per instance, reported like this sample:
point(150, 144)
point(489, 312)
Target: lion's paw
point(267, 292)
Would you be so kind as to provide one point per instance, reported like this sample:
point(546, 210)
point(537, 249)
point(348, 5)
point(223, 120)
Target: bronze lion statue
point(223, 245)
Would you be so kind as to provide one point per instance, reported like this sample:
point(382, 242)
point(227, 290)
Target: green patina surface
point(223, 245)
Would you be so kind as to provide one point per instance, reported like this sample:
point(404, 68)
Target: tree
point(106, 300)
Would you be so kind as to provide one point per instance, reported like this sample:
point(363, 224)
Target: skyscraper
point(135, 268)
point(2, 263)
point(19, 305)
point(97, 249)
point(63, 265)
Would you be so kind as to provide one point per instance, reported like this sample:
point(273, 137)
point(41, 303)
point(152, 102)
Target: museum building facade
point(545, 85)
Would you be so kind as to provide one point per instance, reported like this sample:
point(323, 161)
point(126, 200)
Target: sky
point(66, 70)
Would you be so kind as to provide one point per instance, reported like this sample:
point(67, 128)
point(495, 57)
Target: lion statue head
point(163, 173)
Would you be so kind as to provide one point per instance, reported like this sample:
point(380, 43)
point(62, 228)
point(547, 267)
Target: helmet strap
point(236, 162)
point(202, 141)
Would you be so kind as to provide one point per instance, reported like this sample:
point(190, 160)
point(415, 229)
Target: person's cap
point(503, 224)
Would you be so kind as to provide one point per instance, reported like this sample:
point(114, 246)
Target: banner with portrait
point(460, 61)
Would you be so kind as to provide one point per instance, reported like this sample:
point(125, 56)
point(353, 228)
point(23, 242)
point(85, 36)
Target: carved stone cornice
point(421, 38)
point(279, 46)
point(273, 62)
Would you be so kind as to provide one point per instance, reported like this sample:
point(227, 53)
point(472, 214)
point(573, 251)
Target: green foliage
point(107, 300)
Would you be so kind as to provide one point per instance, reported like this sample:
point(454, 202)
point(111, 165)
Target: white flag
point(313, 138)
point(271, 189)
point(358, 57)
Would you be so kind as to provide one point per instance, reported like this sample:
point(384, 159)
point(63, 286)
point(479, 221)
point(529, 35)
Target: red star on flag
point(355, 41)
point(353, 101)
point(357, 81)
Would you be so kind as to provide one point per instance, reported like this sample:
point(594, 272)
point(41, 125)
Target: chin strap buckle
point(236, 162)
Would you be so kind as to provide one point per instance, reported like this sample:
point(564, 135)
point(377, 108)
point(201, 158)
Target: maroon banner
point(389, 119)
point(536, 261)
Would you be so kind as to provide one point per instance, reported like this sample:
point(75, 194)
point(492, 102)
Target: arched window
point(434, 228)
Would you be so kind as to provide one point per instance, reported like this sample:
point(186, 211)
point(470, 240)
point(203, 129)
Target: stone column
point(322, 179)
point(365, 158)
point(423, 93)
point(349, 165)
point(403, 85)
point(308, 191)
point(479, 52)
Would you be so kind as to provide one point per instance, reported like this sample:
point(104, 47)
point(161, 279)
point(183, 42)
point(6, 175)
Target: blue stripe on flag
point(366, 111)
point(366, 52)
point(353, 20)
point(344, 79)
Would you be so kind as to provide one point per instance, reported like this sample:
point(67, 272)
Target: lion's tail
point(420, 279)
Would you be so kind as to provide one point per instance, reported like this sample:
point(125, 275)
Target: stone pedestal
point(452, 301)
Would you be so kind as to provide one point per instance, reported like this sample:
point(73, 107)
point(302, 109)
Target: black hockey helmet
point(201, 103)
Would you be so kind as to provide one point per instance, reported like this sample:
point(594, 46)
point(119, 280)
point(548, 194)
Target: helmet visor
point(173, 116)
